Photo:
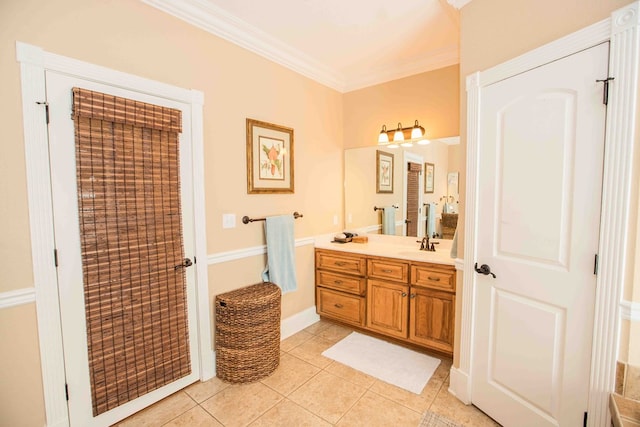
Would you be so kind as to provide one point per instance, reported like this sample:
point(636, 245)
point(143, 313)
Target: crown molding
point(458, 4)
point(221, 23)
point(433, 60)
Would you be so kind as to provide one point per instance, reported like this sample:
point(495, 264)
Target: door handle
point(484, 269)
point(187, 263)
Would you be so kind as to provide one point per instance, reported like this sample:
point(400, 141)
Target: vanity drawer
point(382, 268)
point(340, 306)
point(435, 278)
point(352, 284)
point(342, 262)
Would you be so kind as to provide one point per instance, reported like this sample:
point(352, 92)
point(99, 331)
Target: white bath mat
point(388, 362)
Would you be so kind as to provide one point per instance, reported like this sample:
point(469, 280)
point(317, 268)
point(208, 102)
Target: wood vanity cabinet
point(407, 300)
point(341, 286)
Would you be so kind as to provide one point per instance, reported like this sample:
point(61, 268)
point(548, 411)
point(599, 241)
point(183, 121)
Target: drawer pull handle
point(341, 263)
point(338, 305)
point(387, 271)
point(434, 279)
point(337, 282)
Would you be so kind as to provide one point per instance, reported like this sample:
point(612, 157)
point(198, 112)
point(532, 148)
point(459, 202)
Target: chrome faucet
point(424, 245)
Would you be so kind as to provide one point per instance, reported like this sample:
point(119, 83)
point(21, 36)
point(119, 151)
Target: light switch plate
point(228, 220)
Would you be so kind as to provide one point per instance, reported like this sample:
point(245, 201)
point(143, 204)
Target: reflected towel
point(389, 220)
point(431, 220)
point(454, 245)
point(281, 262)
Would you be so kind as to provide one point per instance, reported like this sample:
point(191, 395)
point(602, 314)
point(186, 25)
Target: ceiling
point(343, 44)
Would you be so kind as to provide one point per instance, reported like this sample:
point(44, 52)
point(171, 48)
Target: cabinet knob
point(404, 294)
point(412, 296)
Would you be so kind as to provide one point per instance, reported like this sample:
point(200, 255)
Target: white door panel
point(70, 276)
point(540, 172)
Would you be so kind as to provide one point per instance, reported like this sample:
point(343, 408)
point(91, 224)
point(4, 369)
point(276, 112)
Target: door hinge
point(66, 391)
point(46, 109)
point(605, 94)
point(55, 257)
point(584, 422)
point(595, 265)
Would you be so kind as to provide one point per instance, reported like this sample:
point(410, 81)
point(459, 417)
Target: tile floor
point(308, 389)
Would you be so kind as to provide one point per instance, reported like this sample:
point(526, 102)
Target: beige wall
point(132, 37)
point(432, 98)
point(493, 31)
point(20, 379)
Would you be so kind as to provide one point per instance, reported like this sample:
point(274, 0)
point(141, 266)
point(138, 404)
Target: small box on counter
point(359, 239)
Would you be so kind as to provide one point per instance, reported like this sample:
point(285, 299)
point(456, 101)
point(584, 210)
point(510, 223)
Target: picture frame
point(452, 185)
point(429, 177)
point(269, 158)
point(384, 172)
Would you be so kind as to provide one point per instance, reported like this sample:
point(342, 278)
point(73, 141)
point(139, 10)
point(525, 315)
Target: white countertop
point(400, 247)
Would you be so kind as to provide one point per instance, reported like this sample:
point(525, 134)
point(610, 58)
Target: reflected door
point(413, 198)
point(540, 171)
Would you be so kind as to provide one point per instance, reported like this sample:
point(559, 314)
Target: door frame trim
point(34, 62)
point(622, 30)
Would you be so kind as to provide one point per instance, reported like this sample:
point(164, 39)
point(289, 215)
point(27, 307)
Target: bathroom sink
point(419, 255)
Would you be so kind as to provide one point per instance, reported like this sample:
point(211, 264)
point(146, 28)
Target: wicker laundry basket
point(449, 223)
point(248, 333)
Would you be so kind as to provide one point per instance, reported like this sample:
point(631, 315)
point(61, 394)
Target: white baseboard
point(459, 385)
point(298, 322)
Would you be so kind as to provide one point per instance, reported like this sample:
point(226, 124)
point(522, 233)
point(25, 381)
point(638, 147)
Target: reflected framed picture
point(429, 177)
point(269, 158)
point(384, 172)
point(452, 185)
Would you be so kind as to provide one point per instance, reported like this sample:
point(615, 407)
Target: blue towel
point(389, 220)
point(281, 261)
point(431, 219)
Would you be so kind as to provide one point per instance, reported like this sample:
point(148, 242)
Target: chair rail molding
point(17, 297)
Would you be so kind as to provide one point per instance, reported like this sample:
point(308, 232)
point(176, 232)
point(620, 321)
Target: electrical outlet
point(228, 220)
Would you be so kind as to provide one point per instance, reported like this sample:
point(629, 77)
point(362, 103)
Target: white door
point(540, 178)
point(70, 269)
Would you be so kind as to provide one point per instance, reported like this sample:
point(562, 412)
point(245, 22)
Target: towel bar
point(375, 208)
point(247, 220)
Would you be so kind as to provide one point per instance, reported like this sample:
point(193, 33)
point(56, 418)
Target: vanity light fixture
point(383, 138)
point(404, 137)
point(398, 135)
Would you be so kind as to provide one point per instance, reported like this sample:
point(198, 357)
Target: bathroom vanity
point(390, 287)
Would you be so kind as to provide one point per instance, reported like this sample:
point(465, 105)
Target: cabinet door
point(387, 307)
point(432, 318)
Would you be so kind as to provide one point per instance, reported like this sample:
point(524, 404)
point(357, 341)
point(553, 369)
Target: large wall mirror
point(425, 189)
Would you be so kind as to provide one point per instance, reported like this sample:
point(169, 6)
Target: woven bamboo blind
point(127, 157)
point(413, 177)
